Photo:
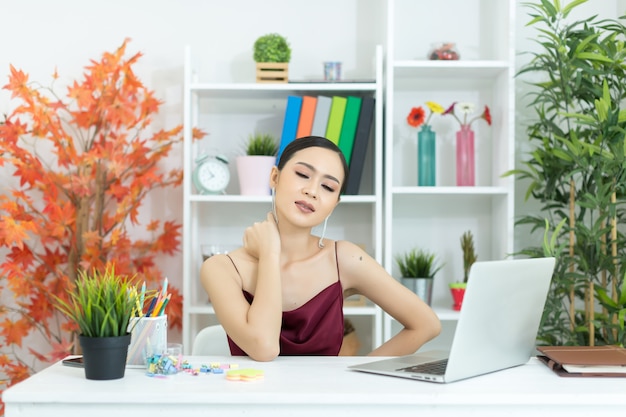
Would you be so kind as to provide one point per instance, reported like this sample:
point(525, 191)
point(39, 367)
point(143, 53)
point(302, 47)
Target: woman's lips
point(304, 206)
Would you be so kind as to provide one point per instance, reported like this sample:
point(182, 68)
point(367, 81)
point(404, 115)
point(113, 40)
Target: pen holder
point(148, 335)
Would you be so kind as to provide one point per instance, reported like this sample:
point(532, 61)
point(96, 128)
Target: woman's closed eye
point(328, 188)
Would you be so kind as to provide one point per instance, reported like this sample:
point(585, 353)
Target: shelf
point(269, 91)
point(244, 199)
point(450, 69)
point(442, 191)
point(446, 313)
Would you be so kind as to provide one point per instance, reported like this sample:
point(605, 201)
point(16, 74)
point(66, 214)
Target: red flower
point(487, 115)
point(416, 117)
point(450, 110)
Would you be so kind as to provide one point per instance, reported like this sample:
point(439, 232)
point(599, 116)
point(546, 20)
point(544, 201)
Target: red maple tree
point(84, 163)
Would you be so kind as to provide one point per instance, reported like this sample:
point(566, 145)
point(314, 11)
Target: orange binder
point(307, 113)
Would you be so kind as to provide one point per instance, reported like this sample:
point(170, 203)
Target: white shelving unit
point(229, 112)
point(434, 218)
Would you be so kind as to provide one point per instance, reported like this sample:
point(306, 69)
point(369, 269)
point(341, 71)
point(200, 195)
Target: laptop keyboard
point(433, 368)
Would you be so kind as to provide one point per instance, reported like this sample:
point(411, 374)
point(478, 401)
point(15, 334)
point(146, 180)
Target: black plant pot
point(105, 357)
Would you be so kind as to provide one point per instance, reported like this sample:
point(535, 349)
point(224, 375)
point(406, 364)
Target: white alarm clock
point(212, 174)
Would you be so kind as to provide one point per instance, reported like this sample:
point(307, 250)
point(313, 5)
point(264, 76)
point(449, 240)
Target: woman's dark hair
point(310, 142)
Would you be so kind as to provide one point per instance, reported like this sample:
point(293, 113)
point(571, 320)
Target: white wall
point(41, 35)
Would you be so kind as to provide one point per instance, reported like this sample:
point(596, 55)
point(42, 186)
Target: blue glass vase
point(426, 157)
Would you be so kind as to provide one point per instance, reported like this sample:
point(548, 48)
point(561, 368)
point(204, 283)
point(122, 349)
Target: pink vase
point(465, 157)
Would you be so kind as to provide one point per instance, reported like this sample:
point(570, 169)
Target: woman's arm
point(254, 328)
point(361, 274)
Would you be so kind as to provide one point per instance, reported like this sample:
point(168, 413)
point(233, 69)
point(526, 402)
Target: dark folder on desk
point(584, 361)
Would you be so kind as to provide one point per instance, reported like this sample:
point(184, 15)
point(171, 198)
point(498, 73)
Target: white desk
point(312, 386)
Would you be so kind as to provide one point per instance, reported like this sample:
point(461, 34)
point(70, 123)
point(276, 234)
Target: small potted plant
point(255, 166)
point(272, 54)
point(418, 268)
point(469, 257)
point(101, 305)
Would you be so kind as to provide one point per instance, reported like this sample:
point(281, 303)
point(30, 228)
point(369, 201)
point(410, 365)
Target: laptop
point(497, 326)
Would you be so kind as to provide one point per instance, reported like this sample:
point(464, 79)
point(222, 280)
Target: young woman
point(282, 292)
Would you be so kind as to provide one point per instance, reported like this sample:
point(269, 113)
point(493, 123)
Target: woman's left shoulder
point(346, 250)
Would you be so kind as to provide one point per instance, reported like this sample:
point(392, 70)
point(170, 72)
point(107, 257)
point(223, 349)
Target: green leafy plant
point(272, 48)
point(469, 253)
point(261, 144)
point(418, 263)
point(100, 303)
point(575, 170)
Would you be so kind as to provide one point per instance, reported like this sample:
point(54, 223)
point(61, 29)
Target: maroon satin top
point(315, 328)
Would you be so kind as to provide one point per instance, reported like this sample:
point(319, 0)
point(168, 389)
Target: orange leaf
point(14, 233)
point(14, 331)
point(18, 81)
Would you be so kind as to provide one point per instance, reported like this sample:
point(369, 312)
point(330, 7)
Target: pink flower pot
point(254, 174)
point(458, 292)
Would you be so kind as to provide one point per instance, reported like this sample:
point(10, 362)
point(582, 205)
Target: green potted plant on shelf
point(255, 166)
point(101, 304)
point(469, 257)
point(272, 54)
point(417, 269)
point(575, 170)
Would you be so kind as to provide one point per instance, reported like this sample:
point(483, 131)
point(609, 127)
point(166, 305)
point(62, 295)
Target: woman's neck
point(297, 245)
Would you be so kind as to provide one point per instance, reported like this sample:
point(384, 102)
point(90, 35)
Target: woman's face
point(308, 187)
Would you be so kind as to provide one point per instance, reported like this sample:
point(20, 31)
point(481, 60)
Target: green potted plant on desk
point(418, 268)
point(101, 304)
point(255, 166)
point(469, 257)
point(272, 54)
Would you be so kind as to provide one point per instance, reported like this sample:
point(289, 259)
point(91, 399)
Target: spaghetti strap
point(233, 262)
point(337, 262)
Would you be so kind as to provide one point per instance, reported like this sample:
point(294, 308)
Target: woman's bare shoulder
point(347, 249)
point(224, 262)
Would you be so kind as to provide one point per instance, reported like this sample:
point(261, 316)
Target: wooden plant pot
point(272, 72)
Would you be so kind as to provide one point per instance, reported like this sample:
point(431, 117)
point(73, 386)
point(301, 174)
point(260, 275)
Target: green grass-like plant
point(272, 48)
point(469, 253)
point(418, 263)
point(261, 144)
point(100, 303)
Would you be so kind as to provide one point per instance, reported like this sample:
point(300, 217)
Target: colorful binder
point(290, 123)
point(348, 127)
point(335, 118)
point(307, 114)
point(320, 120)
point(359, 149)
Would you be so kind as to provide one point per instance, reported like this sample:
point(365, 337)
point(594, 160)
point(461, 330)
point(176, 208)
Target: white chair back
point(211, 341)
